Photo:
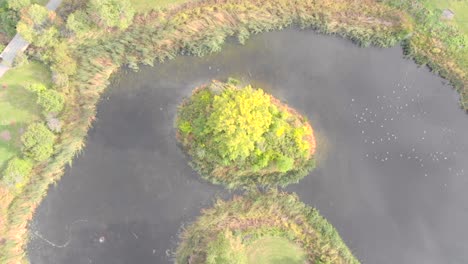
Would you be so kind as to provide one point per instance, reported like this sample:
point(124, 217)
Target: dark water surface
point(391, 177)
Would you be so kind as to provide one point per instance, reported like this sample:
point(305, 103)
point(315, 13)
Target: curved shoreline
point(350, 189)
point(87, 87)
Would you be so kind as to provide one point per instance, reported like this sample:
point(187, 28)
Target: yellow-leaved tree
point(238, 120)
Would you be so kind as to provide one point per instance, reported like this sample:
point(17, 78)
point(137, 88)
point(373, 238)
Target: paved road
point(18, 44)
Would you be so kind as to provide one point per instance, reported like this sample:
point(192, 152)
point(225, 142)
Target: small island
point(240, 136)
point(262, 228)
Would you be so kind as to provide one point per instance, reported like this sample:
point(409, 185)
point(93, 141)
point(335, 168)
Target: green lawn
point(275, 250)
point(459, 7)
point(17, 105)
point(145, 5)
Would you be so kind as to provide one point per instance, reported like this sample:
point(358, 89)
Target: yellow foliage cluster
point(239, 119)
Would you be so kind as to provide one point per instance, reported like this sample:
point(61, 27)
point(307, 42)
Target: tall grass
point(258, 215)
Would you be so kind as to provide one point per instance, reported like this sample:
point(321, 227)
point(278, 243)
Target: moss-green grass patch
point(275, 250)
point(262, 228)
point(459, 7)
point(18, 106)
point(240, 136)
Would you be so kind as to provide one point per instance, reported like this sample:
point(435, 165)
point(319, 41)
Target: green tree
point(17, 172)
point(51, 101)
point(36, 26)
point(18, 4)
point(284, 163)
point(8, 20)
point(36, 15)
point(38, 142)
point(111, 13)
point(78, 23)
point(238, 120)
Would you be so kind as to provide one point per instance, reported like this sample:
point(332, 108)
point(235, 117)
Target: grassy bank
point(247, 229)
point(196, 29)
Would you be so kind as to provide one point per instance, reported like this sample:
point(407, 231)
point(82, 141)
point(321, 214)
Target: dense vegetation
point(242, 136)
point(10, 15)
point(82, 56)
point(228, 232)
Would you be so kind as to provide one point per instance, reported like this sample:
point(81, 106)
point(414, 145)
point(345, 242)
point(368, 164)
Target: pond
point(392, 156)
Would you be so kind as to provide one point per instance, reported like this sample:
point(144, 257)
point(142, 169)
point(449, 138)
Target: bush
point(51, 101)
point(284, 163)
point(18, 4)
point(78, 23)
point(38, 142)
point(36, 26)
point(8, 20)
point(17, 173)
point(112, 13)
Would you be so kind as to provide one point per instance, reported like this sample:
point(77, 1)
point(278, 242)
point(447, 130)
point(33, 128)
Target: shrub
point(238, 121)
point(112, 13)
point(8, 20)
point(38, 142)
point(51, 101)
point(284, 163)
point(78, 23)
point(18, 4)
point(17, 172)
point(36, 26)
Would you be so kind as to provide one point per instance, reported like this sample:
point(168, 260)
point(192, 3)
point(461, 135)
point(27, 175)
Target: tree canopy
point(241, 135)
point(38, 142)
point(238, 121)
point(36, 25)
point(112, 13)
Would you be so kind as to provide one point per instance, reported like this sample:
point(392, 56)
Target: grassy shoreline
point(243, 221)
point(198, 29)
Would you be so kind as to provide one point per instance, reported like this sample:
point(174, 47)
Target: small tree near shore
point(38, 142)
point(17, 172)
point(111, 13)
